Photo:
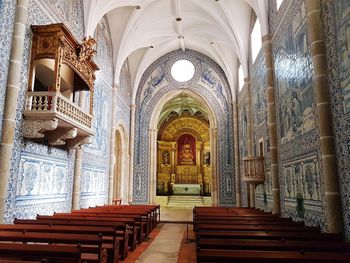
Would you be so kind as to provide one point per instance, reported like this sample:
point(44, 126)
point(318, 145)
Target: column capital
point(115, 86)
point(266, 38)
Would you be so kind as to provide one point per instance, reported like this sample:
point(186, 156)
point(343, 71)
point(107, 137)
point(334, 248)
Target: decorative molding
point(36, 128)
point(60, 135)
point(211, 83)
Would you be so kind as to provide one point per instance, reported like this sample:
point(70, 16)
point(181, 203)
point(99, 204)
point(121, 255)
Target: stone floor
point(168, 214)
point(165, 248)
point(169, 241)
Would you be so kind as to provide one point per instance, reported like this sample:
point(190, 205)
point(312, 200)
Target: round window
point(182, 70)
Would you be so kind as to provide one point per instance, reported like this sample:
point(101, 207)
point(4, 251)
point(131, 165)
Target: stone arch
point(119, 170)
point(210, 86)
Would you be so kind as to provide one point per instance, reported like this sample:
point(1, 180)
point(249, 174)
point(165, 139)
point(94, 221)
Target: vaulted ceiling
point(144, 30)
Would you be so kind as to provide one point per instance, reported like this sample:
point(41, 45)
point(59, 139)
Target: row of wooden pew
point(101, 234)
point(249, 235)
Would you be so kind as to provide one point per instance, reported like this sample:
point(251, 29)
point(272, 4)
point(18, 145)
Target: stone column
point(78, 163)
point(77, 178)
point(198, 160)
point(131, 150)
point(153, 133)
point(10, 108)
point(271, 122)
point(250, 142)
point(112, 162)
point(173, 170)
point(214, 166)
point(237, 156)
point(329, 167)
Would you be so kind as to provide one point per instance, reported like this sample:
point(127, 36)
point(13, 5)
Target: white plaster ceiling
point(218, 29)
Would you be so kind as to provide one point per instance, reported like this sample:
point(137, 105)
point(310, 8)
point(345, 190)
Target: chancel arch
point(210, 88)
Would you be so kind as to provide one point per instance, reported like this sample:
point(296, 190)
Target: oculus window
point(182, 70)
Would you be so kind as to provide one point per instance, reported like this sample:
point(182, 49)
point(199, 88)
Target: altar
point(183, 167)
point(186, 189)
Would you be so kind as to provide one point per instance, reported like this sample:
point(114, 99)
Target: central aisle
point(165, 247)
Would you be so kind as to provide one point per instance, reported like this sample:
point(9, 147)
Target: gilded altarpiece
point(183, 154)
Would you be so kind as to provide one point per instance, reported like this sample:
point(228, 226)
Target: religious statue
point(206, 158)
point(166, 157)
point(186, 156)
point(87, 51)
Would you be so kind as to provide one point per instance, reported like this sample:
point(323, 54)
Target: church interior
point(174, 131)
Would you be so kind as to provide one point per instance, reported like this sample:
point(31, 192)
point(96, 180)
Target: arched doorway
point(119, 169)
point(118, 165)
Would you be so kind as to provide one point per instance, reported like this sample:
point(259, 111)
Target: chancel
point(224, 122)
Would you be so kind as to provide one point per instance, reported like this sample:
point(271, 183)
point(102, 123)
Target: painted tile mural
point(27, 180)
point(94, 187)
point(342, 10)
point(296, 116)
point(210, 82)
point(243, 140)
point(96, 155)
point(123, 97)
point(260, 129)
point(41, 179)
point(336, 17)
point(125, 83)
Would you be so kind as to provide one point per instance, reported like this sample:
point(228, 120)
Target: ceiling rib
point(179, 24)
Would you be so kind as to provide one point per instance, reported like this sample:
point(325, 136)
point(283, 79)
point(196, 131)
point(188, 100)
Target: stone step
point(182, 201)
point(185, 200)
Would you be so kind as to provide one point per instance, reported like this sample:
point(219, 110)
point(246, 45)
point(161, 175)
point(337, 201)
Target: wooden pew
point(130, 223)
point(18, 252)
point(271, 235)
point(247, 222)
point(245, 235)
point(120, 227)
point(148, 214)
point(91, 244)
point(249, 256)
point(109, 234)
point(153, 211)
point(274, 245)
point(267, 228)
point(139, 221)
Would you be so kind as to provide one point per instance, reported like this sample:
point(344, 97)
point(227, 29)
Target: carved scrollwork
point(36, 128)
point(79, 141)
point(87, 51)
point(59, 136)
